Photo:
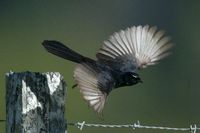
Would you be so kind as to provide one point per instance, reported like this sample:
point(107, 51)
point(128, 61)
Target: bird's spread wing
point(90, 86)
point(135, 47)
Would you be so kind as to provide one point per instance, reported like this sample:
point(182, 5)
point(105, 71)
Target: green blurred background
point(170, 93)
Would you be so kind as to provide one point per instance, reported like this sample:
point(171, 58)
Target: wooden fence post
point(35, 102)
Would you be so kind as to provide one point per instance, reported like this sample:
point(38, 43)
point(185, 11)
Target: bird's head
point(132, 78)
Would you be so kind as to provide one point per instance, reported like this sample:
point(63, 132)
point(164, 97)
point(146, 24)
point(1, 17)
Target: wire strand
point(81, 125)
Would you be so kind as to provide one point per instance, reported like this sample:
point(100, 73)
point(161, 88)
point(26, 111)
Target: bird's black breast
point(106, 79)
point(106, 82)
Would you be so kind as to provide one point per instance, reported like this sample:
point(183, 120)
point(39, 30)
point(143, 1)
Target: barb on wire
point(81, 125)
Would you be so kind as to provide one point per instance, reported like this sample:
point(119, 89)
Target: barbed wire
point(81, 125)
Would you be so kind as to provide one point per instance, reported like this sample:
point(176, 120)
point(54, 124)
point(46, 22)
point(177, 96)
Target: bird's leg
point(74, 86)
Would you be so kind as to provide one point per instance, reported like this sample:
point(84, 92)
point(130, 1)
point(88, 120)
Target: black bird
point(117, 61)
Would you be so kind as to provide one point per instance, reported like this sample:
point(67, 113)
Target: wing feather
point(141, 46)
point(90, 87)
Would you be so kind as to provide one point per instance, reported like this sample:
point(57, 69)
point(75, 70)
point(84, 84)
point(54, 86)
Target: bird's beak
point(140, 81)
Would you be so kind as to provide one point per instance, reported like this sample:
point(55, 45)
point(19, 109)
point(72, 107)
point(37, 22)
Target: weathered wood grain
point(35, 102)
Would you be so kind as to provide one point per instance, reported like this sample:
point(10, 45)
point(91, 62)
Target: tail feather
point(62, 51)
